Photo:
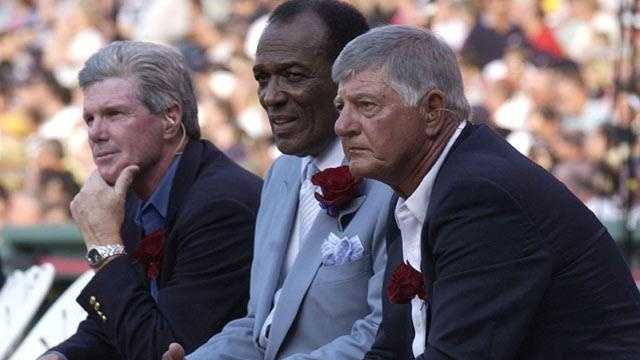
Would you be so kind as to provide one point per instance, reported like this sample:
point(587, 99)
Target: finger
point(125, 179)
point(175, 352)
point(94, 180)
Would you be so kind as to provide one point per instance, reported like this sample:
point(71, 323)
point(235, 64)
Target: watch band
point(97, 255)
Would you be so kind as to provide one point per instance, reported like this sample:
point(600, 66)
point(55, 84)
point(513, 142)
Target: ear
point(431, 106)
point(171, 122)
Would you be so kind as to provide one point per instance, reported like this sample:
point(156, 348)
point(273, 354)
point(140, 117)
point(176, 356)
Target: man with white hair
point(492, 257)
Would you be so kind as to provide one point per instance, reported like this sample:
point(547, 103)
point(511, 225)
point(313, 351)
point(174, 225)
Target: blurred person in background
point(451, 20)
point(24, 210)
point(543, 46)
point(578, 26)
point(50, 181)
point(492, 33)
point(546, 126)
point(580, 112)
point(4, 205)
point(167, 219)
point(585, 181)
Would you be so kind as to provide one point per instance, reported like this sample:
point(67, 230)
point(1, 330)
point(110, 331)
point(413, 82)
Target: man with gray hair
point(167, 219)
point(490, 257)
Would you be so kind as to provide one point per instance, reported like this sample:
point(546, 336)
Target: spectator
point(521, 60)
point(492, 33)
point(579, 111)
point(51, 182)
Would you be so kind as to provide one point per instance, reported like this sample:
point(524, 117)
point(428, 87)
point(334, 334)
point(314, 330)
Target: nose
point(272, 96)
point(346, 125)
point(97, 130)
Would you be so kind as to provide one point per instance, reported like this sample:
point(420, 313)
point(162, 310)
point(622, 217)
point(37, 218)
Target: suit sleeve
point(380, 350)
point(87, 343)
point(207, 289)
point(235, 341)
point(491, 271)
point(363, 332)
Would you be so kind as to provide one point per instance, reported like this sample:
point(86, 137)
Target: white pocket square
point(340, 251)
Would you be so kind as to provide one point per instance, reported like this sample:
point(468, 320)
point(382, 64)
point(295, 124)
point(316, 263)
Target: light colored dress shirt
point(410, 215)
point(333, 156)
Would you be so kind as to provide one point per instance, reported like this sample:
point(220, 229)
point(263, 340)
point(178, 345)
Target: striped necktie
point(308, 206)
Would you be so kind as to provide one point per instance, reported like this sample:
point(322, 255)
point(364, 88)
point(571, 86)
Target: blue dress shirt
point(152, 215)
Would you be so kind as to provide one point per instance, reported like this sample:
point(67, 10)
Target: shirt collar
point(332, 156)
point(159, 199)
point(418, 202)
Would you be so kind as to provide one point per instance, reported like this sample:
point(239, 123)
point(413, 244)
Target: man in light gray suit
point(317, 273)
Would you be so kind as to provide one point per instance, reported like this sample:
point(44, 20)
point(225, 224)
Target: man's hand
point(98, 208)
point(175, 352)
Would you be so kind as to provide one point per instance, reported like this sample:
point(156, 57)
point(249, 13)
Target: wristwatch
point(96, 255)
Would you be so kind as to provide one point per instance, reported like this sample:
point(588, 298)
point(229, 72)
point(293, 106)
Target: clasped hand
point(98, 209)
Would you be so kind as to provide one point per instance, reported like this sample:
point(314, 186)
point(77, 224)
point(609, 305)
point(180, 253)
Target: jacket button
point(92, 300)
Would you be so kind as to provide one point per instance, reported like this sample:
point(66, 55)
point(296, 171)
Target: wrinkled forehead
point(369, 79)
point(109, 92)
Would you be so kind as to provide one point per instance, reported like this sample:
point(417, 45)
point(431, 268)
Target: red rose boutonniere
point(149, 252)
point(338, 187)
point(406, 282)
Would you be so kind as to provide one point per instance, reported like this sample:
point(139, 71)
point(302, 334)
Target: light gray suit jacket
point(324, 312)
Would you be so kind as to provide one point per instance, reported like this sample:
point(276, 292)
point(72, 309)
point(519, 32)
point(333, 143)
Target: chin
point(358, 170)
point(291, 147)
point(364, 169)
point(108, 178)
point(109, 175)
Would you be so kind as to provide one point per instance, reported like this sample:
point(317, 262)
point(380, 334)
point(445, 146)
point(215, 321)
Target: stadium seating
point(20, 298)
point(58, 323)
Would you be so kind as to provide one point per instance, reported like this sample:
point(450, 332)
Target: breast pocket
point(336, 274)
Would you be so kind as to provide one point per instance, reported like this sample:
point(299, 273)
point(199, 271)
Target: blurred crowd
point(543, 73)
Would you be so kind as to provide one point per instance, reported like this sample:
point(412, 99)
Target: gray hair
point(161, 74)
point(414, 60)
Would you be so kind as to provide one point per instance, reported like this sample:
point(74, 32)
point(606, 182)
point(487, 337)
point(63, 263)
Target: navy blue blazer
point(204, 278)
point(516, 267)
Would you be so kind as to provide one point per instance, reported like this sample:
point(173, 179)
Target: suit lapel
point(397, 317)
point(130, 232)
point(427, 266)
point(187, 171)
point(436, 194)
point(298, 281)
point(185, 176)
point(284, 208)
point(347, 214)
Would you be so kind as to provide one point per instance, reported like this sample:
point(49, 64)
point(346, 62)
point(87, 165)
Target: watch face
point(94, 257)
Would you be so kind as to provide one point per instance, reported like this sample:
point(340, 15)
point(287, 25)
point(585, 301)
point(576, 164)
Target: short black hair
point(55, 147)
point(343, 21)
point(4, 193)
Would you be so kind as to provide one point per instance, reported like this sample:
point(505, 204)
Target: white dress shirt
point(333, 156)
point(410, 215)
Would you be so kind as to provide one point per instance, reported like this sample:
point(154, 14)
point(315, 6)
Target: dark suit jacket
point(515, 266)
point(204, 279)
